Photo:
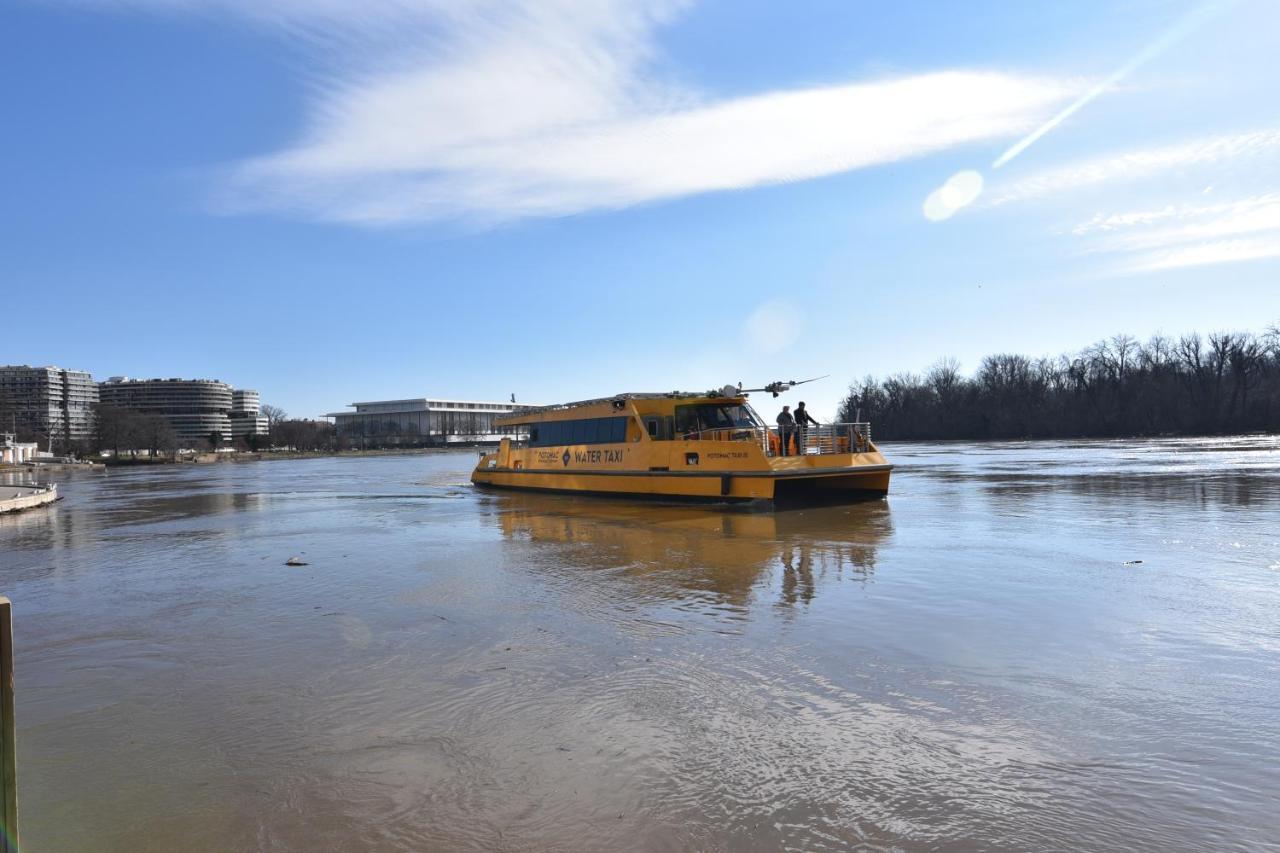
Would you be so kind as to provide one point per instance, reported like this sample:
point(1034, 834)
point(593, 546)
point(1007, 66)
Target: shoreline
point(321, 454)
point(210, 458)
point(263, 456)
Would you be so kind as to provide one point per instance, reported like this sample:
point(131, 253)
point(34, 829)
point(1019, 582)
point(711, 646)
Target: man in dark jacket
point(803, 419)
point(786, 427)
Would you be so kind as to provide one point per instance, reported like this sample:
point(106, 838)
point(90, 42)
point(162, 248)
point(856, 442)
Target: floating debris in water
point(295, 561)
point(1133, 562)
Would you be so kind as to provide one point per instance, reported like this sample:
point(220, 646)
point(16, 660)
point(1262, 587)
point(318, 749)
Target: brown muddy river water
point(969, 665)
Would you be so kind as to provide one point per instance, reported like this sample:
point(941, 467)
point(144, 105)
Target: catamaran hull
point(840, 485)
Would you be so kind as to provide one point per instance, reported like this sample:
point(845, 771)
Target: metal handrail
point(820, 440)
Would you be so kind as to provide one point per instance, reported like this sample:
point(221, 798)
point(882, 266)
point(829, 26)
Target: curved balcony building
point(245, 400)
point(195, 408)
point(246, 414)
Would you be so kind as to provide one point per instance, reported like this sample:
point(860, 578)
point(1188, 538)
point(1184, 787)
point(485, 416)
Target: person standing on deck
point(786, 426)
point(803, 419)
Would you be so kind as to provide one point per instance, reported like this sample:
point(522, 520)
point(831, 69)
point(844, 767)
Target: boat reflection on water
point(692, 553)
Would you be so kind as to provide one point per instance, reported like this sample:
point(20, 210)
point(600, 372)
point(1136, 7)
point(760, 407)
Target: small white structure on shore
point(14, 452)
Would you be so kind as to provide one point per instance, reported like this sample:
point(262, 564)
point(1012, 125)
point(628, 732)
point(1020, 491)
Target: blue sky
point(333, 201)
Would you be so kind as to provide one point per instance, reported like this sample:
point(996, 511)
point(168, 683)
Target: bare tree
point(944, 378)
point(159, 435)
point(275, 416)
point(306, 435)
point(112, 429)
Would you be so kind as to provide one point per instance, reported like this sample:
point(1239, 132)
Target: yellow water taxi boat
point(682, 446)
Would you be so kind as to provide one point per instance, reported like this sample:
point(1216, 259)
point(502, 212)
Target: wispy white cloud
point(1186, 235)
point(1213, 252)
point(1234, 151)
point(1179, 233)
point(1188, 221)
point(492, 111)
point(385, 159)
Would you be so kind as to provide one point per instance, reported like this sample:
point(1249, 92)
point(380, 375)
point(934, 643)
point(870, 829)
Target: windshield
point(708, 416)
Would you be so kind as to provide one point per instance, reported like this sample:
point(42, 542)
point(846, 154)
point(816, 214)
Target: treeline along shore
point(1227, 382)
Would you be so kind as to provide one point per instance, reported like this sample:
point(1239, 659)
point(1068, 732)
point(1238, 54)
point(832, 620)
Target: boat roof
point(519, 412)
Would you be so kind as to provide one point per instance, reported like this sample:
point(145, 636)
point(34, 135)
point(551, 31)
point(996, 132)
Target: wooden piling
point(8, 745)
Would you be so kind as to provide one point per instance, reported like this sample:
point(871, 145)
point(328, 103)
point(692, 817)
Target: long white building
point(421, 422)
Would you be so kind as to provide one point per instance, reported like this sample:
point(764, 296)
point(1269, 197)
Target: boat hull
point(789, 487)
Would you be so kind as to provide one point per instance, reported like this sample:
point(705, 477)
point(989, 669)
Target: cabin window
point(711, 416)
point(581, 431)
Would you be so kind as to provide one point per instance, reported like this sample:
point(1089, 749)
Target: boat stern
point(834, 477)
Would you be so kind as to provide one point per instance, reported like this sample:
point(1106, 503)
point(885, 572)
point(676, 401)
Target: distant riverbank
point(319, 454)
point(255, 456)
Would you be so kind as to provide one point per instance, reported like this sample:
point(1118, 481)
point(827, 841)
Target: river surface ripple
point(974, 663)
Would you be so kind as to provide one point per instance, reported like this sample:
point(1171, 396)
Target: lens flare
point(772, 327)
point(961, 190)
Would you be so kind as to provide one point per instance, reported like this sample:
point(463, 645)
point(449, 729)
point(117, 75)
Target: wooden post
point(8, 746)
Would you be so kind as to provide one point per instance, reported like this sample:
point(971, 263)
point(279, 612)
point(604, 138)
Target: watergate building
point(196, 408)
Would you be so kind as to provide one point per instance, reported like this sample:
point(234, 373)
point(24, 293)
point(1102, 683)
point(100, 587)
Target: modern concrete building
point(246, 414)
point(420, 422)
point(48, 403)
point(244, 400)
point(195, 408)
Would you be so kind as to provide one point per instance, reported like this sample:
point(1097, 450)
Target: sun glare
point(961, 190)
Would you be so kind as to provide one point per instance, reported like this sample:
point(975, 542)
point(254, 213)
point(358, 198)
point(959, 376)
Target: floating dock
point(14, 498)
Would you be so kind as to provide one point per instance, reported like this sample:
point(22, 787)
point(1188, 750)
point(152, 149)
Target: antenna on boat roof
point(776, 388)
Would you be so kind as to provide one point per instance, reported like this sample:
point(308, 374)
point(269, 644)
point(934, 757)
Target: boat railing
point(834, 438)
point(819, 440)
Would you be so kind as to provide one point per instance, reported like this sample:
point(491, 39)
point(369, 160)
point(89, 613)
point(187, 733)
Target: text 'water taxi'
point(683, 446)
